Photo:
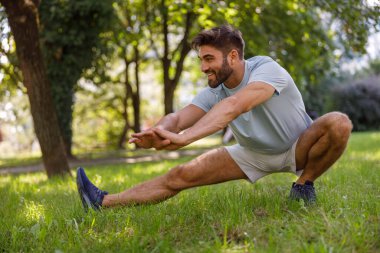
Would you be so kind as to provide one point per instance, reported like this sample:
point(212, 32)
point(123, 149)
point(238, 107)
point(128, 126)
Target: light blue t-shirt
point(273, 126)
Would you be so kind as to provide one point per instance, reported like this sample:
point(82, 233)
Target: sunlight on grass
point(120, 179)
point(33, 211)
point(363, 146)
point(373, 156)
point(20, 159)
point(97, 180)
point(35, 178)
point(376, 155)
point(150, 169)
point(5, 180)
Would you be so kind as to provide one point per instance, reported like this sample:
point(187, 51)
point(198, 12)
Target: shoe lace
point(304, 189)
point(95, 190)
point(308, 191)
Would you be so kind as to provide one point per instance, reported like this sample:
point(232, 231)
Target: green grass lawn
point(43, 215)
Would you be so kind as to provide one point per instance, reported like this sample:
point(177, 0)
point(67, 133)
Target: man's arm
point(173, 122)
point(181, 120)
point(221, 114)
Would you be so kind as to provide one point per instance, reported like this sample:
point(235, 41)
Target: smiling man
point(259, 100)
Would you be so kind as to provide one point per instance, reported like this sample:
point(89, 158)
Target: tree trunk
point(123, 136)
point(68, 150)
point(171, 83)
point(169, 89)
point(127, 85)
point(23, 20)
point(136, 94)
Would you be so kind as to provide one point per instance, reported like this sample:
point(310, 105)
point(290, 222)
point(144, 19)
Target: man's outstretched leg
point(317, 149)
point(213, 167)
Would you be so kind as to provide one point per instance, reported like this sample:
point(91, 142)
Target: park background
point(89, 73)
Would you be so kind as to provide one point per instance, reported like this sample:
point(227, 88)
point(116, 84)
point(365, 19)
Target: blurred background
point(116, 67)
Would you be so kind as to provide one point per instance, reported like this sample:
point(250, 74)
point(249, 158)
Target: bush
point(360, 101)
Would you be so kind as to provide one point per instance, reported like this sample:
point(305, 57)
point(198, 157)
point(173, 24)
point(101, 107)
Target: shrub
point(360, 101)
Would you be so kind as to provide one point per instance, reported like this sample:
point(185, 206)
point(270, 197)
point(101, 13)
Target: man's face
point(215, 65)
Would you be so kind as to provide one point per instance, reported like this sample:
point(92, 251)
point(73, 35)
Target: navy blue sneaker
point(91, 196)
point(303, 191)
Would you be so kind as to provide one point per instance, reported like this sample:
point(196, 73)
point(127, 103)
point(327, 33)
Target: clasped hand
point(159, 139)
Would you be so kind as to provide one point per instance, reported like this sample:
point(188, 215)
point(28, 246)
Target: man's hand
point(173, 122)
point(176, 140)
point(149, 139)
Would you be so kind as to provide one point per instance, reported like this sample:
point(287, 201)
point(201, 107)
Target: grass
point(37, 214)
point(15, 161)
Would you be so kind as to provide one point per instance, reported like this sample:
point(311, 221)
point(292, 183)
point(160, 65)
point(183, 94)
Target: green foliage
point(10, 74)
point(308, 38)
point(46, 215)
point(354, 21)
point(360, 101)
point(97, 117)
point(70, 32)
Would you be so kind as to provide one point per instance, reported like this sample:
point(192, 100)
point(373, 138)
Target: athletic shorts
point(256, 165)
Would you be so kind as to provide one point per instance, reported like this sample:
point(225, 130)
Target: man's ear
point(234, 56)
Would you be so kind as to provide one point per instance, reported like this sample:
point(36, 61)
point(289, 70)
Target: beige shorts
point(256, 165)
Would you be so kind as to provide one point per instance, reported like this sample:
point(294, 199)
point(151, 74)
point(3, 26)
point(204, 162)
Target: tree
point(70, 33)
point(23, 20)
point(129, 50)
point(170, 22)
point(125, 51)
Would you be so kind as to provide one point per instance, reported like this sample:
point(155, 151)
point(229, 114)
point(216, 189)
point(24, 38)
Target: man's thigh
point(213, 167)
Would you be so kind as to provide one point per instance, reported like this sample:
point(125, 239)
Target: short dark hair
point(224, 38)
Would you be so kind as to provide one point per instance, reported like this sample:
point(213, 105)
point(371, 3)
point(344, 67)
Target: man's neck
point(237, 76)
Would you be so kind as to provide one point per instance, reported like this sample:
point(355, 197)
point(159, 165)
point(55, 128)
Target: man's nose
point(204, 67)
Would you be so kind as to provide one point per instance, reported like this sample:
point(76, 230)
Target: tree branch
point(185, 47)
point(149, 21)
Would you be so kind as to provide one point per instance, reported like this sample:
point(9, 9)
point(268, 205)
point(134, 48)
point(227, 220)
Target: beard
point(222, 75)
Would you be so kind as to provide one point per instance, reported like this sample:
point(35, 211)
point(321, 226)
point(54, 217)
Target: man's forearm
point(169, 122)
point(216, 119)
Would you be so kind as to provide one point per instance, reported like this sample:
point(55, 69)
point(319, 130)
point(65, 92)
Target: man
point(258, 99)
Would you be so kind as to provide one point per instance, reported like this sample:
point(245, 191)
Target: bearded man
point(260, 102)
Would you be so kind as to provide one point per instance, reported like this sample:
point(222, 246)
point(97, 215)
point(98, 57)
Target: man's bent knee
point(179, 178)
point(340, 126)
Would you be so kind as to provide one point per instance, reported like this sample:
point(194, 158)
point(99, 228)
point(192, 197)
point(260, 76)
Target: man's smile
point(210, 74)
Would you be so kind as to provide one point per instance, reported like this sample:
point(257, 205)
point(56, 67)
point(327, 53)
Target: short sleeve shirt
point(273, 126)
